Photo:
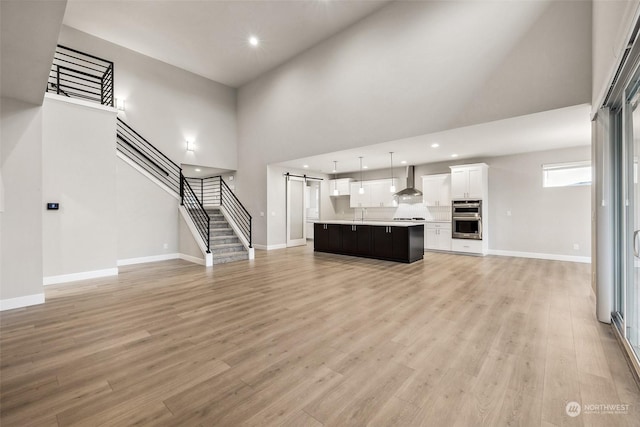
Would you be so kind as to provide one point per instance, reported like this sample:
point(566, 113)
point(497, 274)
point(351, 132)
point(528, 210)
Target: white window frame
point(550, 167)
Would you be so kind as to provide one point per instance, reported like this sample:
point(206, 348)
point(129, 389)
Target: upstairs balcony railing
point(79, 75)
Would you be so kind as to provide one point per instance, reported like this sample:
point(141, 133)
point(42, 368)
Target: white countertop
point(373, 222)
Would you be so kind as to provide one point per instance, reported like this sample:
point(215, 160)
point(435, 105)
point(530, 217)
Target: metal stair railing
point(214, 191)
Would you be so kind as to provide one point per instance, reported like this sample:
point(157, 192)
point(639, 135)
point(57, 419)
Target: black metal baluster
point(181, 189)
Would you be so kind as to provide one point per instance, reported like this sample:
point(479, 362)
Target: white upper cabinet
point(377, 194)
point(343, 185)
point(469, 181)
point(381, 195)
point(358, 200)
point(436, 189)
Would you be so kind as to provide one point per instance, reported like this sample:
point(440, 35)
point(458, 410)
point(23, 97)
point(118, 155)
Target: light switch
point(508, 213)
point(261, 213)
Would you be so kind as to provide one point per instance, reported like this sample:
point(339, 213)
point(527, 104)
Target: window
point(566, 174)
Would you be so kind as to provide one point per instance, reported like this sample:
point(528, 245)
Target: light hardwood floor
point(302, 339)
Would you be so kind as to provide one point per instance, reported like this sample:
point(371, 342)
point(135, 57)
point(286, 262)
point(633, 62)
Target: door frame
point(303, 241)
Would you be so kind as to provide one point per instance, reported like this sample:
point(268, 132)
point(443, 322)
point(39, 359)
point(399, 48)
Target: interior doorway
point(296, 211)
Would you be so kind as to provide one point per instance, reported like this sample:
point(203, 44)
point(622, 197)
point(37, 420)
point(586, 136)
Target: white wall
point(147, 215)
point(542, 221)
point(79, 172)
point(21, 219)
point(168, 105)
point(409, 69)
point(187, 243)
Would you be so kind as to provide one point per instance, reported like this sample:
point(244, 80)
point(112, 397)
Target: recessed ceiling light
point(197, 170)
point(435, 145)
point(404, 162)
point(254, 41)
point(305, 166)
point(454, 155)
point(365, 167)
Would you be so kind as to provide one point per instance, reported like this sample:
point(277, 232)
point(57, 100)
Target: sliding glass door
point(627, 295)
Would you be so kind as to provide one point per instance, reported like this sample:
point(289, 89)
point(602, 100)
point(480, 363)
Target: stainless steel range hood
point(411, 190)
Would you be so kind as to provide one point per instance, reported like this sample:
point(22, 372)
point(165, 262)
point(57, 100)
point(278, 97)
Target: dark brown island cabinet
point(403, 242)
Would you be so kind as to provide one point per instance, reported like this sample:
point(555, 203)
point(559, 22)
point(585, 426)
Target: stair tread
point(221, 229)
point(231, 254)
point(226, 245)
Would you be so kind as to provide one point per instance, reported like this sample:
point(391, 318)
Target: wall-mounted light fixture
point(191, 146)
point(120, 104)
point(361, 189)
point(335, 178)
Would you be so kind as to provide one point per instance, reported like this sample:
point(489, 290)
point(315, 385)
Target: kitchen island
point(394, 240)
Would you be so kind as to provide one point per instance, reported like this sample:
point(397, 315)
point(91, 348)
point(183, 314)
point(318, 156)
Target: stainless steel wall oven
point(466, 219)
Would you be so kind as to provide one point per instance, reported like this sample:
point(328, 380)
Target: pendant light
point(361, 190)
point(392, 188)
point(335, 178)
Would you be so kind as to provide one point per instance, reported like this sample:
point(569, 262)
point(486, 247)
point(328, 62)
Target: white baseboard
point(152, 258)
point(193, 259)
point(552, 257)
point(25, 301)
point(270, 247)
point(64, 278)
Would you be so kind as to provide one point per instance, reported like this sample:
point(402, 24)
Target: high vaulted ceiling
point(210, 38)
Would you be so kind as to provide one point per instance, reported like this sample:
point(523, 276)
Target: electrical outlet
point(508, 213)
point(576, 247)
point(261, 213)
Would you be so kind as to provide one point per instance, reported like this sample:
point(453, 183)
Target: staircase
point(76, 74)
point(225, 245)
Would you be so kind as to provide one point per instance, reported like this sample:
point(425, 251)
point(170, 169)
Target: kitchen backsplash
point(404, 210)
point(438, 213)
